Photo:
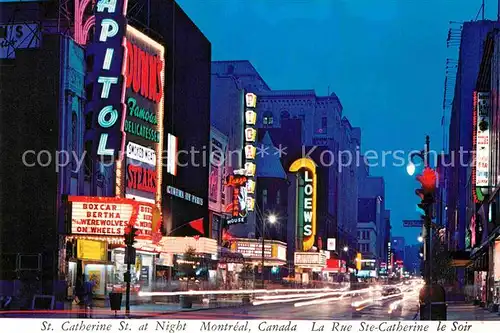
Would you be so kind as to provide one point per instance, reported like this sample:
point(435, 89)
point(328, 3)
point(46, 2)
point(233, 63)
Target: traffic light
point(130, 233)
point(426, 191)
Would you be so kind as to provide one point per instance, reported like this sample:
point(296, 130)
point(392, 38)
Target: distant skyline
point(384, 59)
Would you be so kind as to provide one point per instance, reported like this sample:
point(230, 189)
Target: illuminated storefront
point(205, 250)
point(368, 268)
point(251, 249)
point(127, 104)
point(97, 230)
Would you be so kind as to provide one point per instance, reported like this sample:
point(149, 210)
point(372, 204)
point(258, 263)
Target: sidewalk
point(465, 311)
point(103, 310)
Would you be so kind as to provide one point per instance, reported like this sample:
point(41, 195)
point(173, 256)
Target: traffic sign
point(412, 223)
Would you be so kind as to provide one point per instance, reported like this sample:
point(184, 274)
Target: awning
point(461, 262)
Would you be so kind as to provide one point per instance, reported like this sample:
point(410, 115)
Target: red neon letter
point(130, 63)
point(144, 73)
point(136, 82)
point(152, 79)
point(159, 91)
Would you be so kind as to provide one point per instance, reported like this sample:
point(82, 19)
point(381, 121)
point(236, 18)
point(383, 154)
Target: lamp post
point(346, 250)
point(424, 155)
point(272, 219)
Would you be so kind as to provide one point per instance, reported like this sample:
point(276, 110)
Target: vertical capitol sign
point(306, 208)
point(106, 78)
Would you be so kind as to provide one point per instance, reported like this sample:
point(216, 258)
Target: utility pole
point(130, 253)
point(263, 229)
point(427, 222)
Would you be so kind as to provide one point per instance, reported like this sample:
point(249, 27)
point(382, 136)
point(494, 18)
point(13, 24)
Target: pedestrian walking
point(79, 299)
point(89, 297)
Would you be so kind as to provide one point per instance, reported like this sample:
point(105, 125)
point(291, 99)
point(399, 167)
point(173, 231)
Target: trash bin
point(115, 301)
point(186, 302)
point(432, 303)
point(433, 311)
point(246, 300)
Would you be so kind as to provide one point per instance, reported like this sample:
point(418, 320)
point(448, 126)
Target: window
point(264, 197)
point(73, 186)
point(285, 115)
point(278, 197)
point(74, 139)
point(324, 124)
point(88, 160)
point(268, 119)
point(359, 234)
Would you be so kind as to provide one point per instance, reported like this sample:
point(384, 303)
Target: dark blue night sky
point(385, 60)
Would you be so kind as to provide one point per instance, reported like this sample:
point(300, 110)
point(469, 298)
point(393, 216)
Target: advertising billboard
point(306, 201)
point(239, 205)
point(109, 216)
point(218, 146)
point(18, 36)
point(143, 123)
point(482, 138)
point(496, 258)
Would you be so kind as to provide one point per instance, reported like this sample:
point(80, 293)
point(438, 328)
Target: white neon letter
point(110, 5)
point(109, 28)
point(108, 57)
point(101, 150)
point(113, 116)
point(106, 84)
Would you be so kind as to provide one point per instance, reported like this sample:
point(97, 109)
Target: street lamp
point(410, 168)
point(272, 218)
point(346, 249)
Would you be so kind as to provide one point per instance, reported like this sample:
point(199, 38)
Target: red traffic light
point(428, 180)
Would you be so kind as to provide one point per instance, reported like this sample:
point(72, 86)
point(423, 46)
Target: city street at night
point(309, 160)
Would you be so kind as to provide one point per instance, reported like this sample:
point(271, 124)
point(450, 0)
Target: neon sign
point(142, 179)
point(144, 68)
point(144, 73)
point(306, 209)
point(245, 195)
point(240, 204)
point(108, 53)
point(96, 217)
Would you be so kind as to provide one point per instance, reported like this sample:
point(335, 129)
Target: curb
point(204, 309)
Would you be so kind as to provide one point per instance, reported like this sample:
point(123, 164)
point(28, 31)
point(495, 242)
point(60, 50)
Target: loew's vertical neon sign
point(306, 210)
point(108, 53)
